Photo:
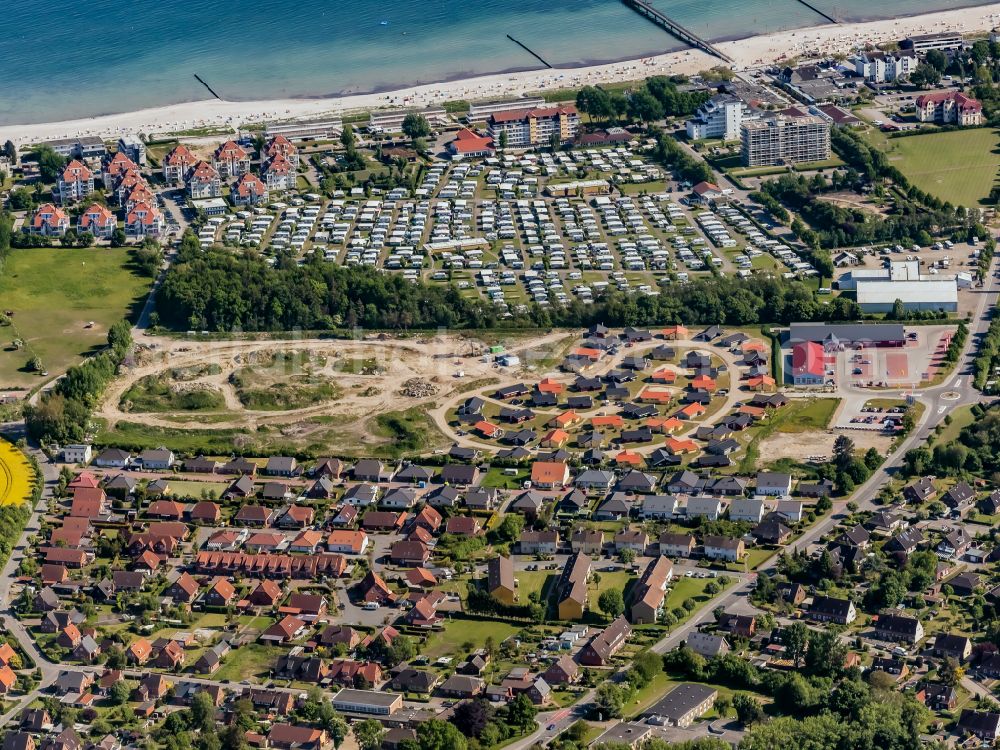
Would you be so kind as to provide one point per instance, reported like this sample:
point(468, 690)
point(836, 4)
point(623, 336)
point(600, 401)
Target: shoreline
point(751, 52)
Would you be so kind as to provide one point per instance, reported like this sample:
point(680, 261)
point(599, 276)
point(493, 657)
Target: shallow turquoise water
point(62, 59)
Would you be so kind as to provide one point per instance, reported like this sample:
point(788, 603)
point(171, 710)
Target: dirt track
point(436, 359)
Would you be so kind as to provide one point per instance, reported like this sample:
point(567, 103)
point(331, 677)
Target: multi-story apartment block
point(133, 147)
point(98, 220)
point(877, 66)
point(782, 139)
point(231, 160)
point(50, 221)
point(116, 167)
point(279, 174)
point(281, 146)
point(719, 117)
point(949, 107)
point(75, 183)
point(535, 127)
point(203, 181)
point(177, 163)
point(249, 190)
point(144, 221)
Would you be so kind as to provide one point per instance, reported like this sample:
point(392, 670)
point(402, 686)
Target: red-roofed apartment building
point(203, 181)
point(279, 145)
point(468, 144)
point(144, 221)
point(98, 220)
point(279, 173)
point(249, 190)
point(177, 163)
point(116, 167)
point(75, 183)
point(808, 367)
point(50, 221)
point(231, 160)
point(535, 127)
point(949, 107)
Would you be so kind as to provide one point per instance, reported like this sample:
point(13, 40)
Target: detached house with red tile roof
point(49, 221)
point(144, 220)
point(75, 183)
point(231, 160)
point(203, 181)
point(98, 220)
point(177, 163)
point(249, 190)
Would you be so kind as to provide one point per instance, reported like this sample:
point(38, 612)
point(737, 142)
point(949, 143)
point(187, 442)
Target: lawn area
point(195, 489)
point(408, 431)
point(618, 579)
point(755, 557)
point(15, 474)
point(805, 415)
point(958, 166)
point(533, 581)
point(252, 660)
point(686, 588)
point(448, 642)
point(54, 293)
point(961, 417)
point(498, 477)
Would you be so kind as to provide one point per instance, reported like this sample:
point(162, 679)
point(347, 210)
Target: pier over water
point(645, 9)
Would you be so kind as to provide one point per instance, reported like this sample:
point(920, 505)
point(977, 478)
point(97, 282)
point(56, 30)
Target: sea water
point(65, 59)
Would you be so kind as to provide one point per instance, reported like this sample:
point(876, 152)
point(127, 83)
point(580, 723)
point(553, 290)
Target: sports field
point(960, 166)
point(15, 474)
point(55, 295)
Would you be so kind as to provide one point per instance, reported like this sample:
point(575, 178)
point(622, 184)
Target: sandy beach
point(748, 53)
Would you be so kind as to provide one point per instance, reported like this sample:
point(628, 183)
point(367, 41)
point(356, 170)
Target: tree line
point(62, 414)
point(974, 452)
point(658, 97)
point(226, 290)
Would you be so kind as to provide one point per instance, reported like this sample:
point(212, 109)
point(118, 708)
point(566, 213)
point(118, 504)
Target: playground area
point(15, 474)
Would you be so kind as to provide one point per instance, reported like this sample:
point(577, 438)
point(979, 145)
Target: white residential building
point(719, 117)
point(77, 454)
point(75, 183)
point(133, 147)
point(877, 66)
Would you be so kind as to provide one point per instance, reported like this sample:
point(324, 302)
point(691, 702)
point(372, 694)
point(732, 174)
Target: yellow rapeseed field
point(15, 474)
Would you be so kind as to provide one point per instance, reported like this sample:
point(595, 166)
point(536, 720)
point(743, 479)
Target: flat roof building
point(682, 705)
point(940, 40)
point(875, 296)
point(391, 121)
point(781, 139)
point(367, 702)
point(848, 334)
point(301, 130)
